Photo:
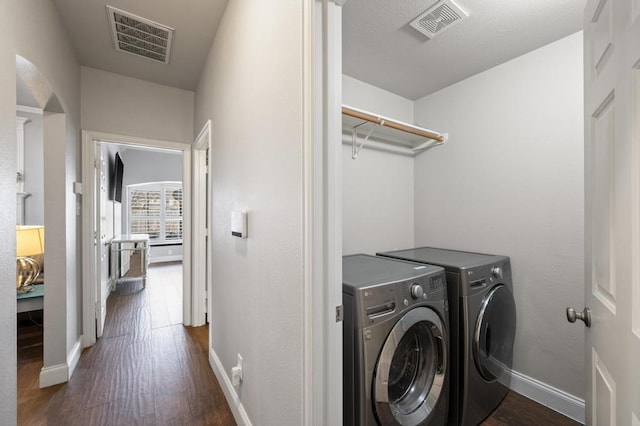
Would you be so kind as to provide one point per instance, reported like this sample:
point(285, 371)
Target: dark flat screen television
point(116, 181)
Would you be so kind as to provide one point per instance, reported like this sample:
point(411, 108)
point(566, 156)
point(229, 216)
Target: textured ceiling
point(381, 49)
point(195, 22)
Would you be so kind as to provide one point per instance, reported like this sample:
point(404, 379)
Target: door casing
point(89, 257)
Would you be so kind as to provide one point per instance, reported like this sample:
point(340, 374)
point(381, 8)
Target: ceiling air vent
point(438, 18)
point(140, 36)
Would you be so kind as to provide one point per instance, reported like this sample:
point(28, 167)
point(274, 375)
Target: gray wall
point(33, 30)
point(510, 181)
point(377, 188)
point(122, 105)
point(255, 105)
point(33, 169)
point(150, 166)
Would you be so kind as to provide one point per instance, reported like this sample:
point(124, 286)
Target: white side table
point(130, 243)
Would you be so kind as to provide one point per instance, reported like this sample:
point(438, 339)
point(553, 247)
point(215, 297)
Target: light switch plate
point(239, 224)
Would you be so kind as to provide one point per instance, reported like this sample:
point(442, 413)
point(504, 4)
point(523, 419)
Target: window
point(156, 209)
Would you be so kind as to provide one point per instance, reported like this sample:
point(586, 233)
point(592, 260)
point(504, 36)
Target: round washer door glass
point(411, 369)
point(494, 334)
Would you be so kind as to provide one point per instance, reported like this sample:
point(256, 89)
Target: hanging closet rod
point(392, 124)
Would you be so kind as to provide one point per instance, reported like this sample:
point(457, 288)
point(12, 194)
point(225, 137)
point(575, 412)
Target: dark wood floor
point(520, 411)
point(148, 369)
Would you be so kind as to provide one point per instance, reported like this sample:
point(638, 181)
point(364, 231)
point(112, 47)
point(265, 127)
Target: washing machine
point(483, 324)
point(395, 342)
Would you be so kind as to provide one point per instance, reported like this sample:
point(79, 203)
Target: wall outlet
point(236, 372)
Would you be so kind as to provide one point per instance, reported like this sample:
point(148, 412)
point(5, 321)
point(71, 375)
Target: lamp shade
point(29, 240)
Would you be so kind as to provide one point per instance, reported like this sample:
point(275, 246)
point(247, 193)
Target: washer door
point(494, 334)
point(411, 369)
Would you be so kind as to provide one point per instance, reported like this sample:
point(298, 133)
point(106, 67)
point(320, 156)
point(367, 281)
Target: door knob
point(584, 316)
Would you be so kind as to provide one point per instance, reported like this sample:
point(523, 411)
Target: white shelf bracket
point(355, 148)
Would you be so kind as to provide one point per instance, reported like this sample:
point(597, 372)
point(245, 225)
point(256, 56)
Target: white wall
point(8, 394)
point(33, 30)
point(510, 181)
point(253, 95)
point(359, 94)
point(377, 189)
point(122, 105)
point(41, 39)
point(33, 169)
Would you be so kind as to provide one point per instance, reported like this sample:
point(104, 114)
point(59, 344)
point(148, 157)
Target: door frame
point(201, 242)
point(322, 212)
point(89, 257)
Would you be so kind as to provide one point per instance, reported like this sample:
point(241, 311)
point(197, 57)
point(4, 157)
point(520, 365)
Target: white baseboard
point(239, 413)
point(74, 356)
point(53, 375)
point(171, 258)
point(556, 399)
point(61, 373)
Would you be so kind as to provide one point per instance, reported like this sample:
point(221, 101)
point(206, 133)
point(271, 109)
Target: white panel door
point(102, 247)
point(612, 210)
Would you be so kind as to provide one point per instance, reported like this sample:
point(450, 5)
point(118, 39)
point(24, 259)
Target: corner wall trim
point(239, 413)
point(556, 399)
point(74, 356)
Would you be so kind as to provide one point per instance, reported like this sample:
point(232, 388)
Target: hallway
point(146, 369)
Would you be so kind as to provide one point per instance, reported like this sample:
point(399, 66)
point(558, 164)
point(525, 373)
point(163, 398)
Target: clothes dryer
point(483, 324)
point(395, 342)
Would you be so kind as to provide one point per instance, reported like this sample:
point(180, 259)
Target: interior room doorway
point(121, 200)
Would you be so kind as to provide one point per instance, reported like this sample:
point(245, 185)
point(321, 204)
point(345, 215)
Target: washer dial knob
point(496, 271)
point(416, 291)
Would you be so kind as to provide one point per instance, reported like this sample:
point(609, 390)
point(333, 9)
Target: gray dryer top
point(451, 259)
point(362, 270)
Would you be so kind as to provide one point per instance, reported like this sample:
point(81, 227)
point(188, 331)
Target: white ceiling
point(195, 22)
point(381, 49)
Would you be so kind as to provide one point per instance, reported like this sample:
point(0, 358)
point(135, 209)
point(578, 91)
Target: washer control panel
point(438, 285)
point(432, 288)
point(379, 302)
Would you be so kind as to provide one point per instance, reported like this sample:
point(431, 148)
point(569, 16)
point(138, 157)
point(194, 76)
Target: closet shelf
point(408, 138)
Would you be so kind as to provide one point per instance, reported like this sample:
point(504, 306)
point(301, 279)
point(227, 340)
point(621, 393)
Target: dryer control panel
point(479, 278)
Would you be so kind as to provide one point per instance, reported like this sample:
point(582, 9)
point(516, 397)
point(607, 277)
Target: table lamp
point(29, 244)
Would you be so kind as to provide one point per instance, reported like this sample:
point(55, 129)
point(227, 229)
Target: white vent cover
point(140, 36)
point(438, 18)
